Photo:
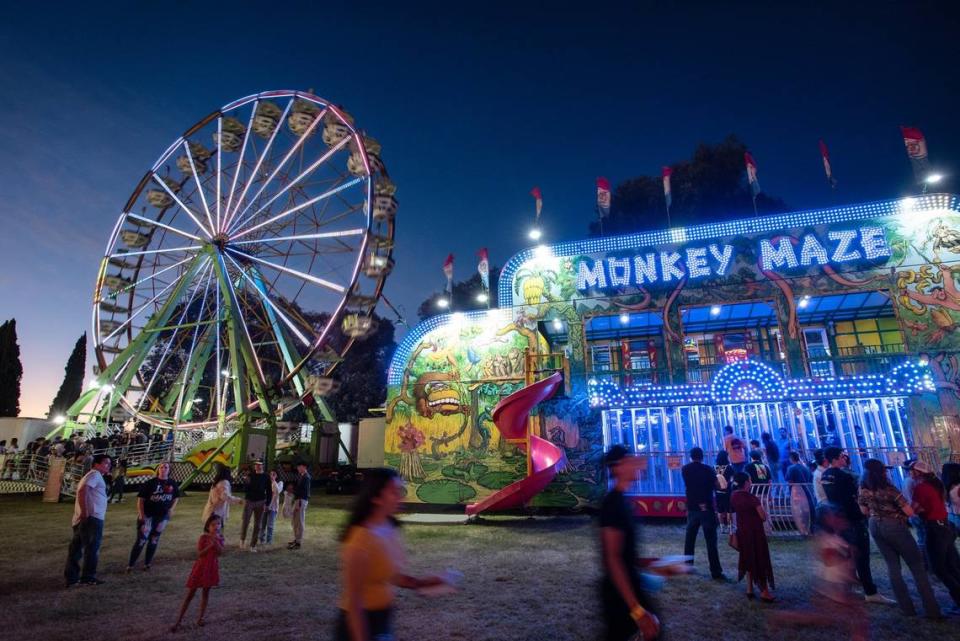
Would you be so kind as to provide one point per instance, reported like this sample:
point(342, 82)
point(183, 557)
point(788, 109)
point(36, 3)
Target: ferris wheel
point(244, 265)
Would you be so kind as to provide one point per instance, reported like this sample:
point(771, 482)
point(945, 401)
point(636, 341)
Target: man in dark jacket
point(301, 493)
point(259, 492)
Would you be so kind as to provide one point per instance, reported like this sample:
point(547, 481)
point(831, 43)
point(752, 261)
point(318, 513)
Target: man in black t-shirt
point(626, 607)
point(156, 501)
point(700, 481)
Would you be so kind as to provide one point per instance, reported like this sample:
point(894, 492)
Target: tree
point(363, 374)
point(72, 385)
point(11, 370)
point(465, 294)
point(710, 187)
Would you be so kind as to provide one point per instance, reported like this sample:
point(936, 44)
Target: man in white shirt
point(89, 511)
point(822, 465)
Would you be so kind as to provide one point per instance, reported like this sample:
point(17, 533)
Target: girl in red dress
point(752, 539)
point(206, 569)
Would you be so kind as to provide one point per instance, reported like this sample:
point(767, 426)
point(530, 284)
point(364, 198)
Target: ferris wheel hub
point(220, 241)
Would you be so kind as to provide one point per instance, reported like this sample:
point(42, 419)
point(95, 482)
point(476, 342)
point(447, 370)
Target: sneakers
point(129, 569)
point(146, 568)
point(293, 545)
point(252, 548)
point(879, 598)
point(92, 582)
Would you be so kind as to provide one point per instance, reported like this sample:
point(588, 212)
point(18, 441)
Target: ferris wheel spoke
point(219, 168)
point(157, 223)
point(329, 234)
point(196, 179)
point(256, 169)
point(259, 288)
point(324, 158)
point(143, 307)
point(243, 150)
point(145, 252)
point(186, 209)
point(340, 289)
point(236, 306)
point(152, 276)
point(296, 208)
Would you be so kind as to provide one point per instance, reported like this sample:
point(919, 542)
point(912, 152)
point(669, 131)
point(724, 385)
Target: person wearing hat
point(888, 510)
point(259, 490)
point(301, 494)
point(627, 608)
point(929, 501)
point(915, 521)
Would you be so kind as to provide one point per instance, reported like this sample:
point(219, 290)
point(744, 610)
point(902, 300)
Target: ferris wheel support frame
point(119, 374)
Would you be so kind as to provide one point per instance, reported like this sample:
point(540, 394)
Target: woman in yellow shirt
point(373, 561)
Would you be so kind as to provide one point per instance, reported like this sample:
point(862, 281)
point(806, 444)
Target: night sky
point(473, 108)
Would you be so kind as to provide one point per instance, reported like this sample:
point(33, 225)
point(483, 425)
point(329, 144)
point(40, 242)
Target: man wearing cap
point(257, 495)
point(626, 607)
point(301, 495)
point(841, 489)
point(929, 502)
point(915, 521)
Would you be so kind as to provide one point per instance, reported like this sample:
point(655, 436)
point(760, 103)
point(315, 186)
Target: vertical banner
point(603, 197)
point(538, 199)
point(667, 193)
point(483, 267)
point(916, 146)
point(825, 155)
point(448, 272)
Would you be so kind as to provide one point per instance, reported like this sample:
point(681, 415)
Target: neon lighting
point(780, 257)
point(842, 253)
point(812, 249)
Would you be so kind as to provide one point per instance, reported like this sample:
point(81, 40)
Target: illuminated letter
point(623, 264)
point(842, 254)
point(587, 277)
point(668, 266)
point(874, 243)
point(812, 249)
point(645, 269)
point(697, 262)
point(780, 257)
point(722, 258)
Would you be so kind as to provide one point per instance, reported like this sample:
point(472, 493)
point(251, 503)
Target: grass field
point(525, 580)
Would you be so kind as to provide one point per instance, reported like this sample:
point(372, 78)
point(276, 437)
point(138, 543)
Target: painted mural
point(451, 371)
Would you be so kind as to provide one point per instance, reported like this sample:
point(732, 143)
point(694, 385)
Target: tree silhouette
point(72, 385)
point(464, 296)
point(11, 370)
point(710, 187)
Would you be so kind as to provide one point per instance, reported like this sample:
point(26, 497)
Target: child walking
point(206, 569)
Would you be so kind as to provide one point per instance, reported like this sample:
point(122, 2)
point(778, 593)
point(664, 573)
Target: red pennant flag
point(483, 267)
point(538, 197)
point(751, 173)
point(825, 154)
point(916, 146)
point(448, 272)
point(667, 193)
point(603, 197)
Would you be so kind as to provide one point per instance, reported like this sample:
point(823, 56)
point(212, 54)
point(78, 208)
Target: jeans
point(943, 557)
point(266, 526)
point(254, 509)
point(708, 521)
point(87, 536)
point(299, 519)
point(858, 536)
point(895, 542)
point(148, 533)
point(917, 523)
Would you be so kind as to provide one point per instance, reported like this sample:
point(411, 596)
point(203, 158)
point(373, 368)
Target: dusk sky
point(474, 105)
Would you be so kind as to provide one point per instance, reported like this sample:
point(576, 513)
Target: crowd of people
point(847, 512)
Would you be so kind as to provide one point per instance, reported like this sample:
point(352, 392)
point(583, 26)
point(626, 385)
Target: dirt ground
point(525, 579)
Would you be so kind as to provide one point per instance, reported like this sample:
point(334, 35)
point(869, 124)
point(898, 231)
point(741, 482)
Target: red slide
point(510, 417)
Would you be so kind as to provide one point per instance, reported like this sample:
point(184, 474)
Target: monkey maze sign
point(780, 252)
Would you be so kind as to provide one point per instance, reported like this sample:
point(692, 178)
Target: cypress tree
point(11, 371)
point(72, 385)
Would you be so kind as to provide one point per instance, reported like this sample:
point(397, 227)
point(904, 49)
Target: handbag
point(733, 541)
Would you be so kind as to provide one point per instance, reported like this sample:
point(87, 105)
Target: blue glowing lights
point(752, 381)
